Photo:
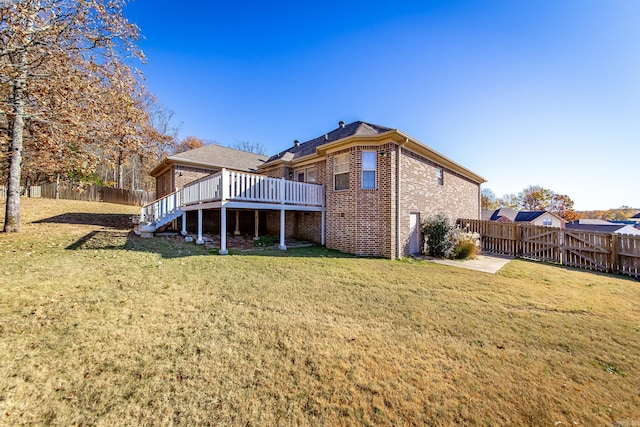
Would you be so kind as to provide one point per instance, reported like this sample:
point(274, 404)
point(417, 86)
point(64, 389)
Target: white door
point(414, 233)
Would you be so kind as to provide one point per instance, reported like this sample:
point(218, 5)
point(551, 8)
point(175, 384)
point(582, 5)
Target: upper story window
point(368, 170)
point(440, 176)
point(341, 172)
point(547, 221)
point(301, 176)
point(312, 175)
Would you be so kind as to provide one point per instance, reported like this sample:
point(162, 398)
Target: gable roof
point(306, 148)
point(507, 213)
point(214, 156)
point(511, 215)
point(528, 216)
point(350, 134)
point(636, 215)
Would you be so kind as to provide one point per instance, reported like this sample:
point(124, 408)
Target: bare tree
point(41, 43)
point(251, 147)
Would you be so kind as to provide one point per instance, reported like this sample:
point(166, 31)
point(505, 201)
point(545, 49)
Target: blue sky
point(521, 92)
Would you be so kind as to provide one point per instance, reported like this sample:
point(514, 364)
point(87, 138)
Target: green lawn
point(100, 327)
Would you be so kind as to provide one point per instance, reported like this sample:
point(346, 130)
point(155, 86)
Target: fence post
point(613, 260)
point(518, 248)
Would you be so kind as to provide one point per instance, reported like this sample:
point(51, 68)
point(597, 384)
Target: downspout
point(398, 197)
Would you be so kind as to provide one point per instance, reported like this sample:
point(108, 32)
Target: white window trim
point(374, 170)
point(336, 172)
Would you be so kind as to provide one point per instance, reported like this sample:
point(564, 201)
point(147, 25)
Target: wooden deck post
point(223, 231)
point(282, 246)
point(237, 230)
point(184, 224)
point(199, 241)
point(256, 223)
point(323, 233)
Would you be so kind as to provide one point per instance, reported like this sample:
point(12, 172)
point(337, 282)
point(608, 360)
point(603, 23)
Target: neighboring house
point(602, 226)
point(544, 218)
point(174, 172)
point(636, 216)
point(360, 188)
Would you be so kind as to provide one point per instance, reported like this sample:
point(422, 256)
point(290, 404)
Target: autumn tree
point(488, 199)
point(41, 43)
point(562, 206)
point(535, 198)
point(189, 143)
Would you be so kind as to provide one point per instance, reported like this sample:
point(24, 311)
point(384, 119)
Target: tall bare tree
point(40, 42)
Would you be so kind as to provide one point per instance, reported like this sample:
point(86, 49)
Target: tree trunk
point(12, 213)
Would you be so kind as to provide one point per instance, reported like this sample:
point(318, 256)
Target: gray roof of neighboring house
point(605, 228)
point(309, 147)
point(528, 216)
point(589, 221)
point(213, 155)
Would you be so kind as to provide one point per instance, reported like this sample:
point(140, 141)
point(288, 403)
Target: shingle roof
point(213, 155)
point(605, 228)
point(528, 216)
point(636, 215)
point(309, 147)
point(508, 213)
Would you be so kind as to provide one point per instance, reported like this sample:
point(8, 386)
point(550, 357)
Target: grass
point(99, 327)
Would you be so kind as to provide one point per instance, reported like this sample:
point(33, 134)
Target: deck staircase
point(158, 214)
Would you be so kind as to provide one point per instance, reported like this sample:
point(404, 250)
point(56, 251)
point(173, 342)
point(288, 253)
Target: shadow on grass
point(128, 241)
point(115, 221)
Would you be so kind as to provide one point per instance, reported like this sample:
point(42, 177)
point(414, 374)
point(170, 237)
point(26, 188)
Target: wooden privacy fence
point(95, 193)
point(613, 253)
point(30, 191)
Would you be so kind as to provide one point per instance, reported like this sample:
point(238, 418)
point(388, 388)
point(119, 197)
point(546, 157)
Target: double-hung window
point(440, 176)
point(341, 172)
point(368, 170)
point(311, 174)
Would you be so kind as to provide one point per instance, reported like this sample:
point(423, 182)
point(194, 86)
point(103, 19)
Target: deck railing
point(241, 186)
point(161, 208)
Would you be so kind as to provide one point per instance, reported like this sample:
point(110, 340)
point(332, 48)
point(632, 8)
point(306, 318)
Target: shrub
point(467, 245)
point(437, 234)
point(444, 240)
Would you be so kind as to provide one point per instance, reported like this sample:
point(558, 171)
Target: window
point(311, 174)
point(368, 170)
point(440, 176)
point(547, 222)
point(341, 172)
point(300, 176)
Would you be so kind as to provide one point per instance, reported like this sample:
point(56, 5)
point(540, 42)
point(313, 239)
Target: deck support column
point(237, 230)
point(256, 222)
point(282, 246)
point(184, 224)
point(223, 231)
point(199, 241)
point(323, 234)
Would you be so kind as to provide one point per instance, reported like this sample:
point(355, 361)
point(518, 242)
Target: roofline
point(169, 161)
point(397, 137)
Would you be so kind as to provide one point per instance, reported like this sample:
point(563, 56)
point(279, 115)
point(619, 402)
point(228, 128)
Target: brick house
point(360, 188)
point(174, 172)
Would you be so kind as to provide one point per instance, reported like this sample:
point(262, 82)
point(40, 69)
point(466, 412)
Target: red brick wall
point(186, 174)
point(359, 221)
point(458, 197)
